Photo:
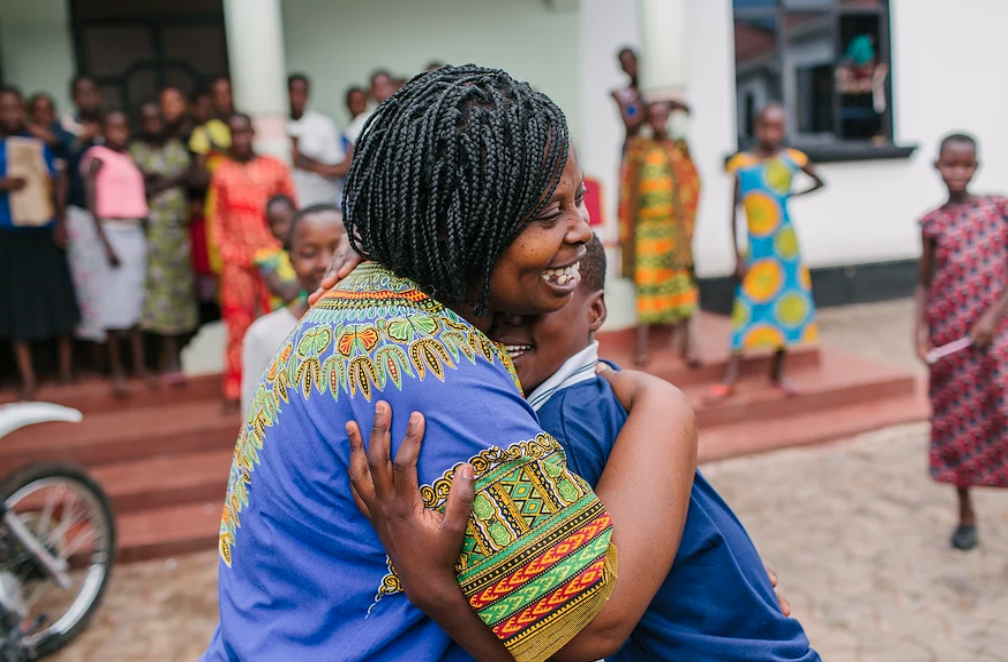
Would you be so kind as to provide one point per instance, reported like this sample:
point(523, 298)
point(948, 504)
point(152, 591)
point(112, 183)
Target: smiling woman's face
point(538, 272)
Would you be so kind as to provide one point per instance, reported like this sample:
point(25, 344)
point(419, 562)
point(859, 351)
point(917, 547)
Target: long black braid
point(447, 172)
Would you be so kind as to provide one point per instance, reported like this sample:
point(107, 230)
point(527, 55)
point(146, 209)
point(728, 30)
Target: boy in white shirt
point(316, 234)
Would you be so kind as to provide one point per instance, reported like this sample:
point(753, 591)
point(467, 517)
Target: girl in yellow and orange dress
point(773, 300)
point(660, 190)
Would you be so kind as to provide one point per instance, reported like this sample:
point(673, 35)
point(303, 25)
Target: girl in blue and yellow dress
point(773, 299)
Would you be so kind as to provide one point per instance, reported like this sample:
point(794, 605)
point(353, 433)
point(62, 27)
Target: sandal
point(965, 537)
point(719, 392)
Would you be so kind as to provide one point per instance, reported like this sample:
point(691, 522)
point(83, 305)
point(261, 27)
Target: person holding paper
point(36, 294)
point(963, 293)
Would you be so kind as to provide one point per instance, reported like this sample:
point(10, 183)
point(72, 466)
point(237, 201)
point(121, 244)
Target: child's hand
point(345, 260)
point(983, 331)
point(785, 606)
point(741, 268)
point(423, 544)
point(113, 258)
point(922, 344)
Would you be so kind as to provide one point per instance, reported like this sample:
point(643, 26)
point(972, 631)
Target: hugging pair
point(717, 601)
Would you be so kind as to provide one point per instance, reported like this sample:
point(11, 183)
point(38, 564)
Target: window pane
point(809, 59)
point(863, 4)
point(862, 79)
point(757, 70)
point(755, 4)
point(805, 5)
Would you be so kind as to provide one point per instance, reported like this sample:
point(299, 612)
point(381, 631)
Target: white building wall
point(868, 212)
point(338, 43)
point(36, 47)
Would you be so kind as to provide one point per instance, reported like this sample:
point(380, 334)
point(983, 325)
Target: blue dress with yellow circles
point(773, 303)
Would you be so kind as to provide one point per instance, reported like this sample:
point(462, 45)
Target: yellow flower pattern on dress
point(774, 305)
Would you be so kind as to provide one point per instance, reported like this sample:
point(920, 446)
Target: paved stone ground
point(856, 531)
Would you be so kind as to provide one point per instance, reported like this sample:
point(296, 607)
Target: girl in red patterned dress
point(241, 186)
point(963, 293)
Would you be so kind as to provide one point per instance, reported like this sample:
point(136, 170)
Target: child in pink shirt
point(117, 199)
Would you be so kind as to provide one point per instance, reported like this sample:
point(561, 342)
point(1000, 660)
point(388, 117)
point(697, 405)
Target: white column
point(259, 69)
point(663, 49)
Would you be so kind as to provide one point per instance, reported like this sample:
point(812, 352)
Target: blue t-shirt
point(717, 603)
point(6, 222)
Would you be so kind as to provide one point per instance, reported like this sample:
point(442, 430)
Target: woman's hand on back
point(345, 260)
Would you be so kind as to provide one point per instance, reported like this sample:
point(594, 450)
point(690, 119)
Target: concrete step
point(171, 531)
point(166, 481)
point(131, 434)
point(815, 427)
point(94, 395)
point(840, 380)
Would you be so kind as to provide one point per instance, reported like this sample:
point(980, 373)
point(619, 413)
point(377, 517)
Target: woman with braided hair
point(465, 199)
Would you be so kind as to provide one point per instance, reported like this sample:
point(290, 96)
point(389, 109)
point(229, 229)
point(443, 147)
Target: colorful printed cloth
point(276, 260)
point(212, 140)
point(969, 389)
point(240, 192)
point(660, 191)
point(773, 304)
point(170, 303)
point(87, 259)
point(303, 574)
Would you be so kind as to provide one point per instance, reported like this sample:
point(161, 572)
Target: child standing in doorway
point(117, 200)
point(773, 299)
point(963, 293)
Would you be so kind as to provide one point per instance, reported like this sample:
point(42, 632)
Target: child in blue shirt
point(717, 603)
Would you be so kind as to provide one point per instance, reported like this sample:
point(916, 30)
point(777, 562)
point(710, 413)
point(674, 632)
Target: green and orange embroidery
point(356, 342)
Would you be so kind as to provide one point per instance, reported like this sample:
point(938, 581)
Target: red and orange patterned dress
point(241, 191)
point(969, 423)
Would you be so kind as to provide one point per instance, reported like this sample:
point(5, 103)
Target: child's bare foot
point(692, 361)
point(785, 388)
point(176, 379)
point(120, 388)
point(28, 392)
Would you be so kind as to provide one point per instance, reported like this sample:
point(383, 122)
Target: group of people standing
point(960, 330)
point(659, 197)
point(156, 221)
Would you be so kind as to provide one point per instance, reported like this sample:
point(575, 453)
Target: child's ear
point(596, 311)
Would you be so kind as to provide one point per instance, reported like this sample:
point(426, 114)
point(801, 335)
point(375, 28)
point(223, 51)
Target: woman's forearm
point(646, 490)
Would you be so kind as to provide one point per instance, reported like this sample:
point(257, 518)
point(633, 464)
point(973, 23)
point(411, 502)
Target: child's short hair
point(281, 199)
point(308, 211)
point(962, 138)
point(593, 266)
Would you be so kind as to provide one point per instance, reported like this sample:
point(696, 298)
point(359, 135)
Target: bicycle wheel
point(72, 517)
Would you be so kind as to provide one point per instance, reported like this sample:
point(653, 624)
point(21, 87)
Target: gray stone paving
point(856, 531)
